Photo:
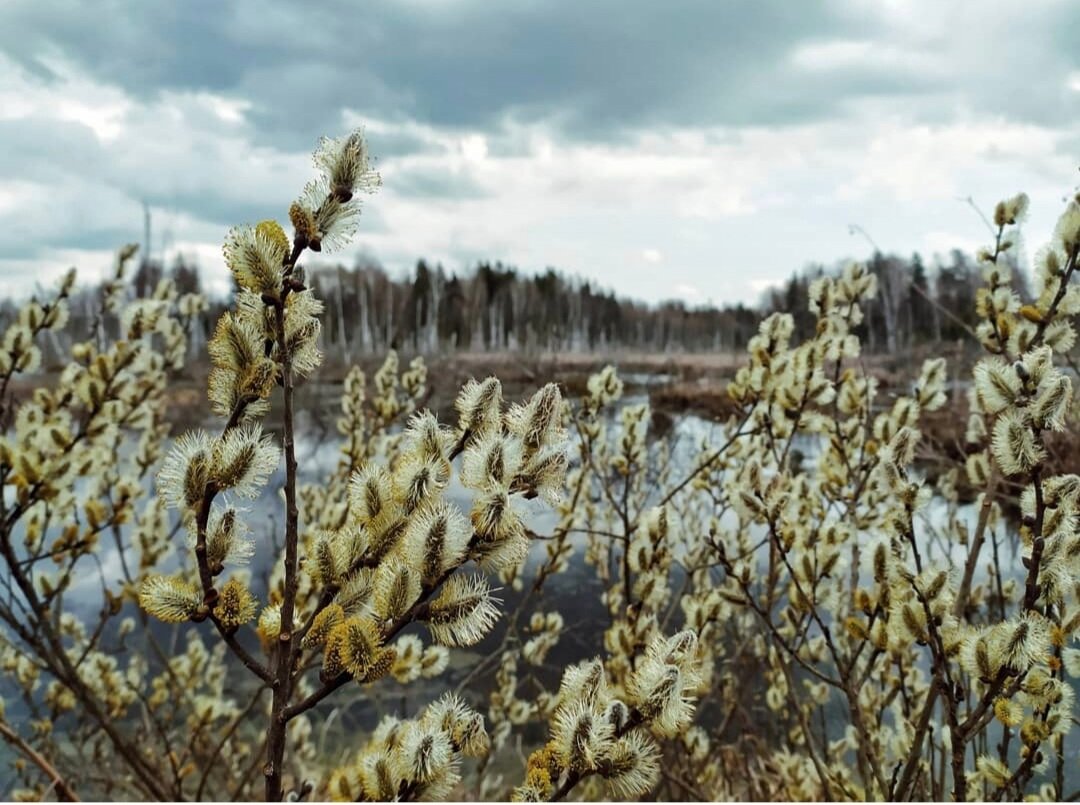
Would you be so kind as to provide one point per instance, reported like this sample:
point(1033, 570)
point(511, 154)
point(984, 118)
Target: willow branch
point(63, 790)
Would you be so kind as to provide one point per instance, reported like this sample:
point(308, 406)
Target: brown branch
point(61, 665)
point(216, 754)
point(1070, 268)
point(206, 573)
point(275, 733)
point(708, 462)
point(976, 547)
point(907, 777)
point(63, 790)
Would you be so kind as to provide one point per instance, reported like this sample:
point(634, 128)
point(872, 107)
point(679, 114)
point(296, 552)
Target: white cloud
point(230, 110)
point(841, 55)
point(71, 97)
point(759, 286)
point(474, 148)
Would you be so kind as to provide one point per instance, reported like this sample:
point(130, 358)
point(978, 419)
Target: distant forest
point(495, 307)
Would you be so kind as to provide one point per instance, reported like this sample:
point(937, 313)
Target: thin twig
point(63, 790)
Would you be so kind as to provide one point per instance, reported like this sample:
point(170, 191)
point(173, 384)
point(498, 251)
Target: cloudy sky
point(693, 149)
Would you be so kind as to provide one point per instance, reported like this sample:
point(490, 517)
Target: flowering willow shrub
point(830, 640)
point(380, 548)
point(847, 648)
point(367, 584)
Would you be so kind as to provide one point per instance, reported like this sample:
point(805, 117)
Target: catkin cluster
point(823, 574)
point(842, 623)
point(380, 547)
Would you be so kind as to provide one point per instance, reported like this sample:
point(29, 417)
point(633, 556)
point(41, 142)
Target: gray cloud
point(390, 144)
point(596, 68)
point(435, 183)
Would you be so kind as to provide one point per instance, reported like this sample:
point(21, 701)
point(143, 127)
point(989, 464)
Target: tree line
point(915, 305)
point(497, 307)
